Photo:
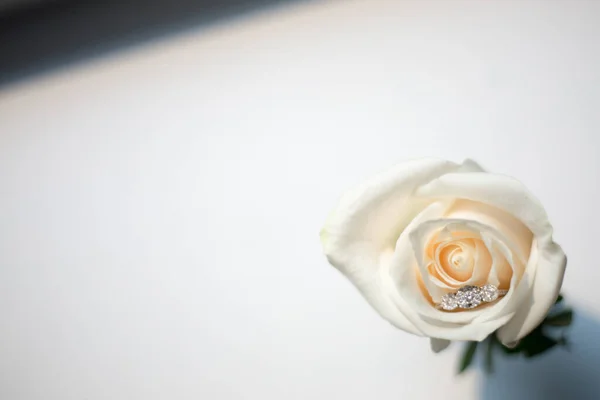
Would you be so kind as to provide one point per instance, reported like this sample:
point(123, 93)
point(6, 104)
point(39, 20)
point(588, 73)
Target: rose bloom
point(429, 227)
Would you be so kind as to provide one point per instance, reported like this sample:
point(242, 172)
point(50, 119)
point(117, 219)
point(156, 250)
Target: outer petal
point(551, 263)
point(378, 210)
point(360, 236)
point(500, 191)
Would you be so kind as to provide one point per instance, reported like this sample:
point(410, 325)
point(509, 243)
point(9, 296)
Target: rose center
point(456, 259)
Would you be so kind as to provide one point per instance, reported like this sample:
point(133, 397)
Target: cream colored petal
point(467, 325)
point(547, 278)
point(500, 270)
point(467, 329)
point(399, 272)
point(419, 237)
point(424, 308)
point(447, 286)
point(517, 286)
point(499, 191)
point(540, 284)
point(476, 331)
point(360, 235)
point(455, 261)
point(503, 263)
point(502, 221)
point(435, 270)
point(437, 286)
point(483, 264)
point(377, 210)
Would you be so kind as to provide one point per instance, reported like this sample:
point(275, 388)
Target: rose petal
point(360, 235)
point(499, 191)
point(502, 221)
point(483, 264)
point(543, 276)
point(430, 318)
point(504, 266)
point(551, 262)
point(422, 234)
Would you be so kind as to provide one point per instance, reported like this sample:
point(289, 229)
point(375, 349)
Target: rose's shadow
point(561, 374)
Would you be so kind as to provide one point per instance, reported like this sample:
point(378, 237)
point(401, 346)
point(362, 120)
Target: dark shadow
point(559, 375)
point(46, 34)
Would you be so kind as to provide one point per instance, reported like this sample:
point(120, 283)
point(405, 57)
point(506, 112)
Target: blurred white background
point(160, 207)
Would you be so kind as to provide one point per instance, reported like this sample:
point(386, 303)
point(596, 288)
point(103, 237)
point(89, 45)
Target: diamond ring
point(468, 297)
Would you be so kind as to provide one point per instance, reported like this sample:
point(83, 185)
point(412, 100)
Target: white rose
point(428, 227)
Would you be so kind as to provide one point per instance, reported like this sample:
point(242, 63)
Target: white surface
point(160, 208)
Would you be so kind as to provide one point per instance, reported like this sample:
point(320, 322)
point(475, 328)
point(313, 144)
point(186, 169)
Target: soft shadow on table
point(561, 374)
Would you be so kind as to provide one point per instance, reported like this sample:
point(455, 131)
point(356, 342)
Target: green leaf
point(467, 357)
point(489, 354)
point(563, 318)
point(537, 343)
point(511, 351)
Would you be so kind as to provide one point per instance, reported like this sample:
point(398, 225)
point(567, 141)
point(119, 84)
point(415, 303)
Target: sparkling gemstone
point(468, 297)
point(489, 292)
point(449, 302)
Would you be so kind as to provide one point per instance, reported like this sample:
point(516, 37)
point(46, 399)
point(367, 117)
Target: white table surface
point(160, 206)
